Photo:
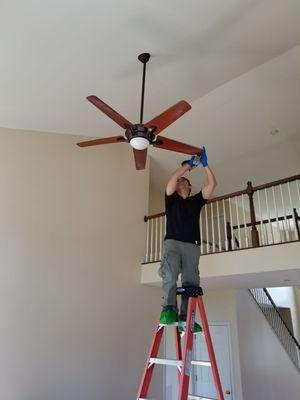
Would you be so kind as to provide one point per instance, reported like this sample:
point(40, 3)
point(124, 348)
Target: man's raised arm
point(208, 190)
point(171, 185)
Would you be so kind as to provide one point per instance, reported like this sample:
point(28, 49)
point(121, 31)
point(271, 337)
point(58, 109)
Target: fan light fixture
point(139, 143)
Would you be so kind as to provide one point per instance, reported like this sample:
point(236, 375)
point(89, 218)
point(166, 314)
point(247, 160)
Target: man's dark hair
point(186, 179)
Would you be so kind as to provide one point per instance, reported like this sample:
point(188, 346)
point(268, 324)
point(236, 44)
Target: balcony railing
point(256, 216)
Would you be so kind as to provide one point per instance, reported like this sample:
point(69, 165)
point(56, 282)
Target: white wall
point(75, 321)
point(266, 370)
point(285, 297)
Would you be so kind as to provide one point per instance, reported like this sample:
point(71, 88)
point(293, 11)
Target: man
point(181, 250)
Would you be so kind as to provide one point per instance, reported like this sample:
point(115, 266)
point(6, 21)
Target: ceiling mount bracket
point(144, 58)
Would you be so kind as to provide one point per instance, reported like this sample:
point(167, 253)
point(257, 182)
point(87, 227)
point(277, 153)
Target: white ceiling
point(208, 52)
point(234, 122)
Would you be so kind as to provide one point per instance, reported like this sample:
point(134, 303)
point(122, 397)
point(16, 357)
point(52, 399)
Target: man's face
point(183, 186)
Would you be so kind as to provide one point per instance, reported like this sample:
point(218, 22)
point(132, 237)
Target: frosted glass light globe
point(139, 143)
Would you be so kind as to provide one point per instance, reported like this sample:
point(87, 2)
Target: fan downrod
point(144, 57)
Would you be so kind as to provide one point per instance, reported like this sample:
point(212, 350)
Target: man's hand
point(194, 162)
point(203, 158)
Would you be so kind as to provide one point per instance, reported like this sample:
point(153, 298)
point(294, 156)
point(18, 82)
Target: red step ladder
point(184, 359)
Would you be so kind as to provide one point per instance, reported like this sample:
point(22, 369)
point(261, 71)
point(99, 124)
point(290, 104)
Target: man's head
point(183, 187)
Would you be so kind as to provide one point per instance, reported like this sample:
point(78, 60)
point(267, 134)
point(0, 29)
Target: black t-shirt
point(183, 217)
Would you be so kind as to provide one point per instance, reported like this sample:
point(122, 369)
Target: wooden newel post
point(297, 218)
point(229, 236)
point(254, 231)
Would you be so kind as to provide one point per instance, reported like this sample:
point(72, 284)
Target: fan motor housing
point(140, 130)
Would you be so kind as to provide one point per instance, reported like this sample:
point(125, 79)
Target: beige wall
point(76, 323)
point(156, 201)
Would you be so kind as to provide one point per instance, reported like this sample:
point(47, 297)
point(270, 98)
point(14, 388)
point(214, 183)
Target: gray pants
point(178, 257)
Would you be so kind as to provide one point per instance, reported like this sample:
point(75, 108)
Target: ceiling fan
point(141, 135)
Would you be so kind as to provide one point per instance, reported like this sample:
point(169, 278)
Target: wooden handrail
point(235, 194)
point(276, 183)
point(146, 218)
point(227, 196)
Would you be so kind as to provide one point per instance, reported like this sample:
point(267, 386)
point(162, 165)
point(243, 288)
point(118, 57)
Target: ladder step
point(203, 363)
point(177, 363)
point(165, 361)
point(168, 325)
point(190, 397)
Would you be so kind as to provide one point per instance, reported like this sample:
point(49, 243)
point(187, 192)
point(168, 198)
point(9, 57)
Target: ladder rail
point(149, 367)
point(210, 349)
point(178, 350)
point(188, 350)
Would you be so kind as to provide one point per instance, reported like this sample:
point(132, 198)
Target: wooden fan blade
point(95, 142)
point(174, 145)
point(114, 115)
point(140, 157)
point(166, 118)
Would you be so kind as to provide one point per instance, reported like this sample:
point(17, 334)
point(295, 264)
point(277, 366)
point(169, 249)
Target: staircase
point(268, 307)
